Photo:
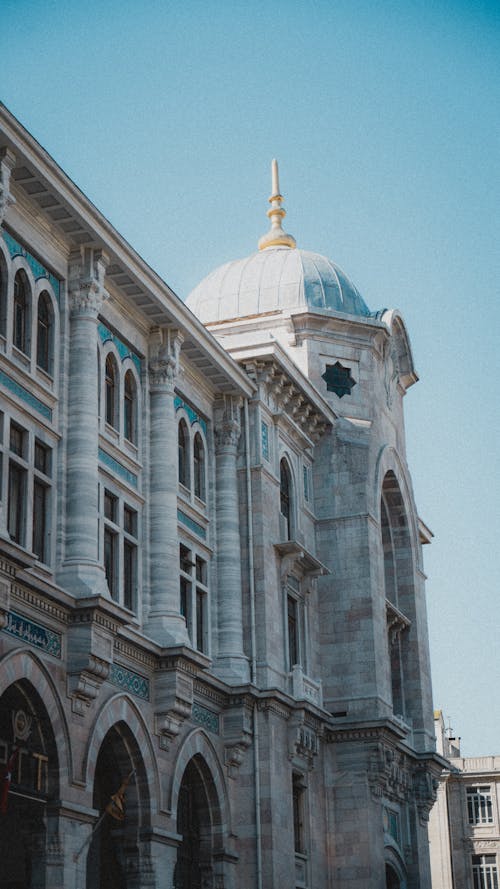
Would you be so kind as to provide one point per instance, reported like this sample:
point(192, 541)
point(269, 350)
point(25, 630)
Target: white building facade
point(212, 586)
point(464, 826)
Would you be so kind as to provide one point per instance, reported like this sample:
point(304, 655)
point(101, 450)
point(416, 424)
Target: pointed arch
point(121, 709)
point(130, 407)
point(21, 314)
point(23, 665)
point(199, 466)
point(111, 390)
point(198, 745)
point(183, 440)
point(45, 332)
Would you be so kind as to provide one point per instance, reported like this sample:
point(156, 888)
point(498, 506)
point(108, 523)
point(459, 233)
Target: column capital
point(7, 164)
point(227, 425)
point(87, 270)
point(164, 351)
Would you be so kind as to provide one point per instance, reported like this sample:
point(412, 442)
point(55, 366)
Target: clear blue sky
point(385, 118)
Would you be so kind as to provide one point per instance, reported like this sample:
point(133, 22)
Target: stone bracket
point(303, 740)
point(173, 704)
point(90, 655)
point(237, 730)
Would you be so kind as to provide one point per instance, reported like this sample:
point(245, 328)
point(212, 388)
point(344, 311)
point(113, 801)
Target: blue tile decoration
point(39, 270)
point(206, 718)
point(123, 350)
point(34, 634)
point(264, 430)
point(25, 395)
point(133, 682)
point(117, 467)
point(191, 524)
point(194, 417)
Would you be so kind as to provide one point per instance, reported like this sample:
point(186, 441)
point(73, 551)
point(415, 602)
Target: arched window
point(183, 438)
point(111, 379)
point(130, 408)
point(199, 466)
point(3, 297)
point(285, 501)
point(20, 337)
point(44, 328)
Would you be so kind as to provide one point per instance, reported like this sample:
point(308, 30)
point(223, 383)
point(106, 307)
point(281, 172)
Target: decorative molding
point(397, 622)
point(206, 718)
point(39, 270)
point(173, 695)
point(25, 395)
point(7, 164)
point(130, 681)
point(35, 600)
point(283, 396)
point(190, 523)
point(33, 634)
point(84, 685)
point(303, 740)
point(118, 468)
point(125, 351)
point(194, 417)
point(237, 732)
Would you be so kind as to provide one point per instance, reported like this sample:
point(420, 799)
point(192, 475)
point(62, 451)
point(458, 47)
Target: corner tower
point(367, 622)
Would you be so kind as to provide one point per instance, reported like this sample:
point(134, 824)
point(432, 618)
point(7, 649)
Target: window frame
point(479, 804)
point(120, 544)
point(21, 338)
point(194, 595)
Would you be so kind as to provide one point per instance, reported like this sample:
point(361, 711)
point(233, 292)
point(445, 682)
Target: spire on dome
point(276, 237)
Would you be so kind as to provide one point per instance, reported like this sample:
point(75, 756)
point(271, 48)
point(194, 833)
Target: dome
point(277, 278)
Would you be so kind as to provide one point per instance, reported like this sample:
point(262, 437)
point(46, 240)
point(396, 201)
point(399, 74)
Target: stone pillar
point(165, 623)
point(81, 570)
point(231, 662)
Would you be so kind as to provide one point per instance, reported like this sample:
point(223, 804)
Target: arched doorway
point(25, 727)
point(198, 815)
point(392, 880)
point(114, 857)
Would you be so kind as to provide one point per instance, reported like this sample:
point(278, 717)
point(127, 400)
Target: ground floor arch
point(29, 754)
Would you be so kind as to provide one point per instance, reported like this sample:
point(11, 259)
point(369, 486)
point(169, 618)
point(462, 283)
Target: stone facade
point(211, 580)
point(464, 826)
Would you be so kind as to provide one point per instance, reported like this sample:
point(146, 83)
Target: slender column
point(81, 570)
point(165, 623)
point(231, 661)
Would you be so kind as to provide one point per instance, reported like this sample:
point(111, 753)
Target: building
point(464, 826)
point(212, 589)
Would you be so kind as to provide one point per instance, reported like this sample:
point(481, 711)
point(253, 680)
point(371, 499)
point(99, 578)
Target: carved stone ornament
point(173, 704)
point(425, 786)
point(7, 164)
point(227, 422)
point(83, 686)
point(303, 741)
point(87, 270)
point(389, 775)
point(237, 730)
point(164, 351)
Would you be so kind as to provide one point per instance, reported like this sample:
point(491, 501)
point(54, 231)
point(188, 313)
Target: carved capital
point(87, 270)
point(83, 686)
point(227, 424)
point(164, 352)
point(7, 164)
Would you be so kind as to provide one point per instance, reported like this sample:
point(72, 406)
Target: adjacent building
point(464, 826)
point(214, 666)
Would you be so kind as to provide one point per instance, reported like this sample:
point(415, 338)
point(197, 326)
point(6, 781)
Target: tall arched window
point(111, 380)
point(199, 466)
point(3, 297)
point(285, 500)
point(20, 330)
point(44, 328)
point(130, 408)
point(183, 438)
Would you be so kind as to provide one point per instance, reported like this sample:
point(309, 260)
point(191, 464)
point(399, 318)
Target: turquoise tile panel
point(194, 417)
point(206, 718)
point(191, 524)
point(25, 395)
point(33, 634)
point(122, 348)
point(39, 270)
point(118, 467)
point(132, 682)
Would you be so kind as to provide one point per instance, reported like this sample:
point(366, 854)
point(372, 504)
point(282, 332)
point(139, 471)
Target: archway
point(114, 856)
point(25, 727)
point(198, 816)
point(392, 880)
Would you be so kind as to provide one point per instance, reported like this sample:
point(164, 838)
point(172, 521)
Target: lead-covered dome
point(276, 278)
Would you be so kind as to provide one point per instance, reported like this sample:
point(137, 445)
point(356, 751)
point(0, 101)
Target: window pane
point(17, 440)
point(42, 458)
point(40, 500)
point(110, 506)
point(293, 642)
point(129, 575)
point(110, 383)
point(16, 505)
point(20, 314)
point(43, 332)
point(200, 620)
point(130, 408)
point(110, 561)
point(199, 466)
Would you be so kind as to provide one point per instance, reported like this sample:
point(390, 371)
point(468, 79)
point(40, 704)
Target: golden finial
point(276, 237)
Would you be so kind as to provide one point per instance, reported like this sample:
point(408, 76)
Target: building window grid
point(484, 872)
point(29, 484)
point(193, 593)
point(120, 549)
point(479, 804)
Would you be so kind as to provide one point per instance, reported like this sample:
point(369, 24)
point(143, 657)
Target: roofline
point(25, 146)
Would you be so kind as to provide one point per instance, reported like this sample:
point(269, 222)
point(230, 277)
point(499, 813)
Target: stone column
point(81, 570)
point(165, 623)
point(231, 662)
point(7, 164)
